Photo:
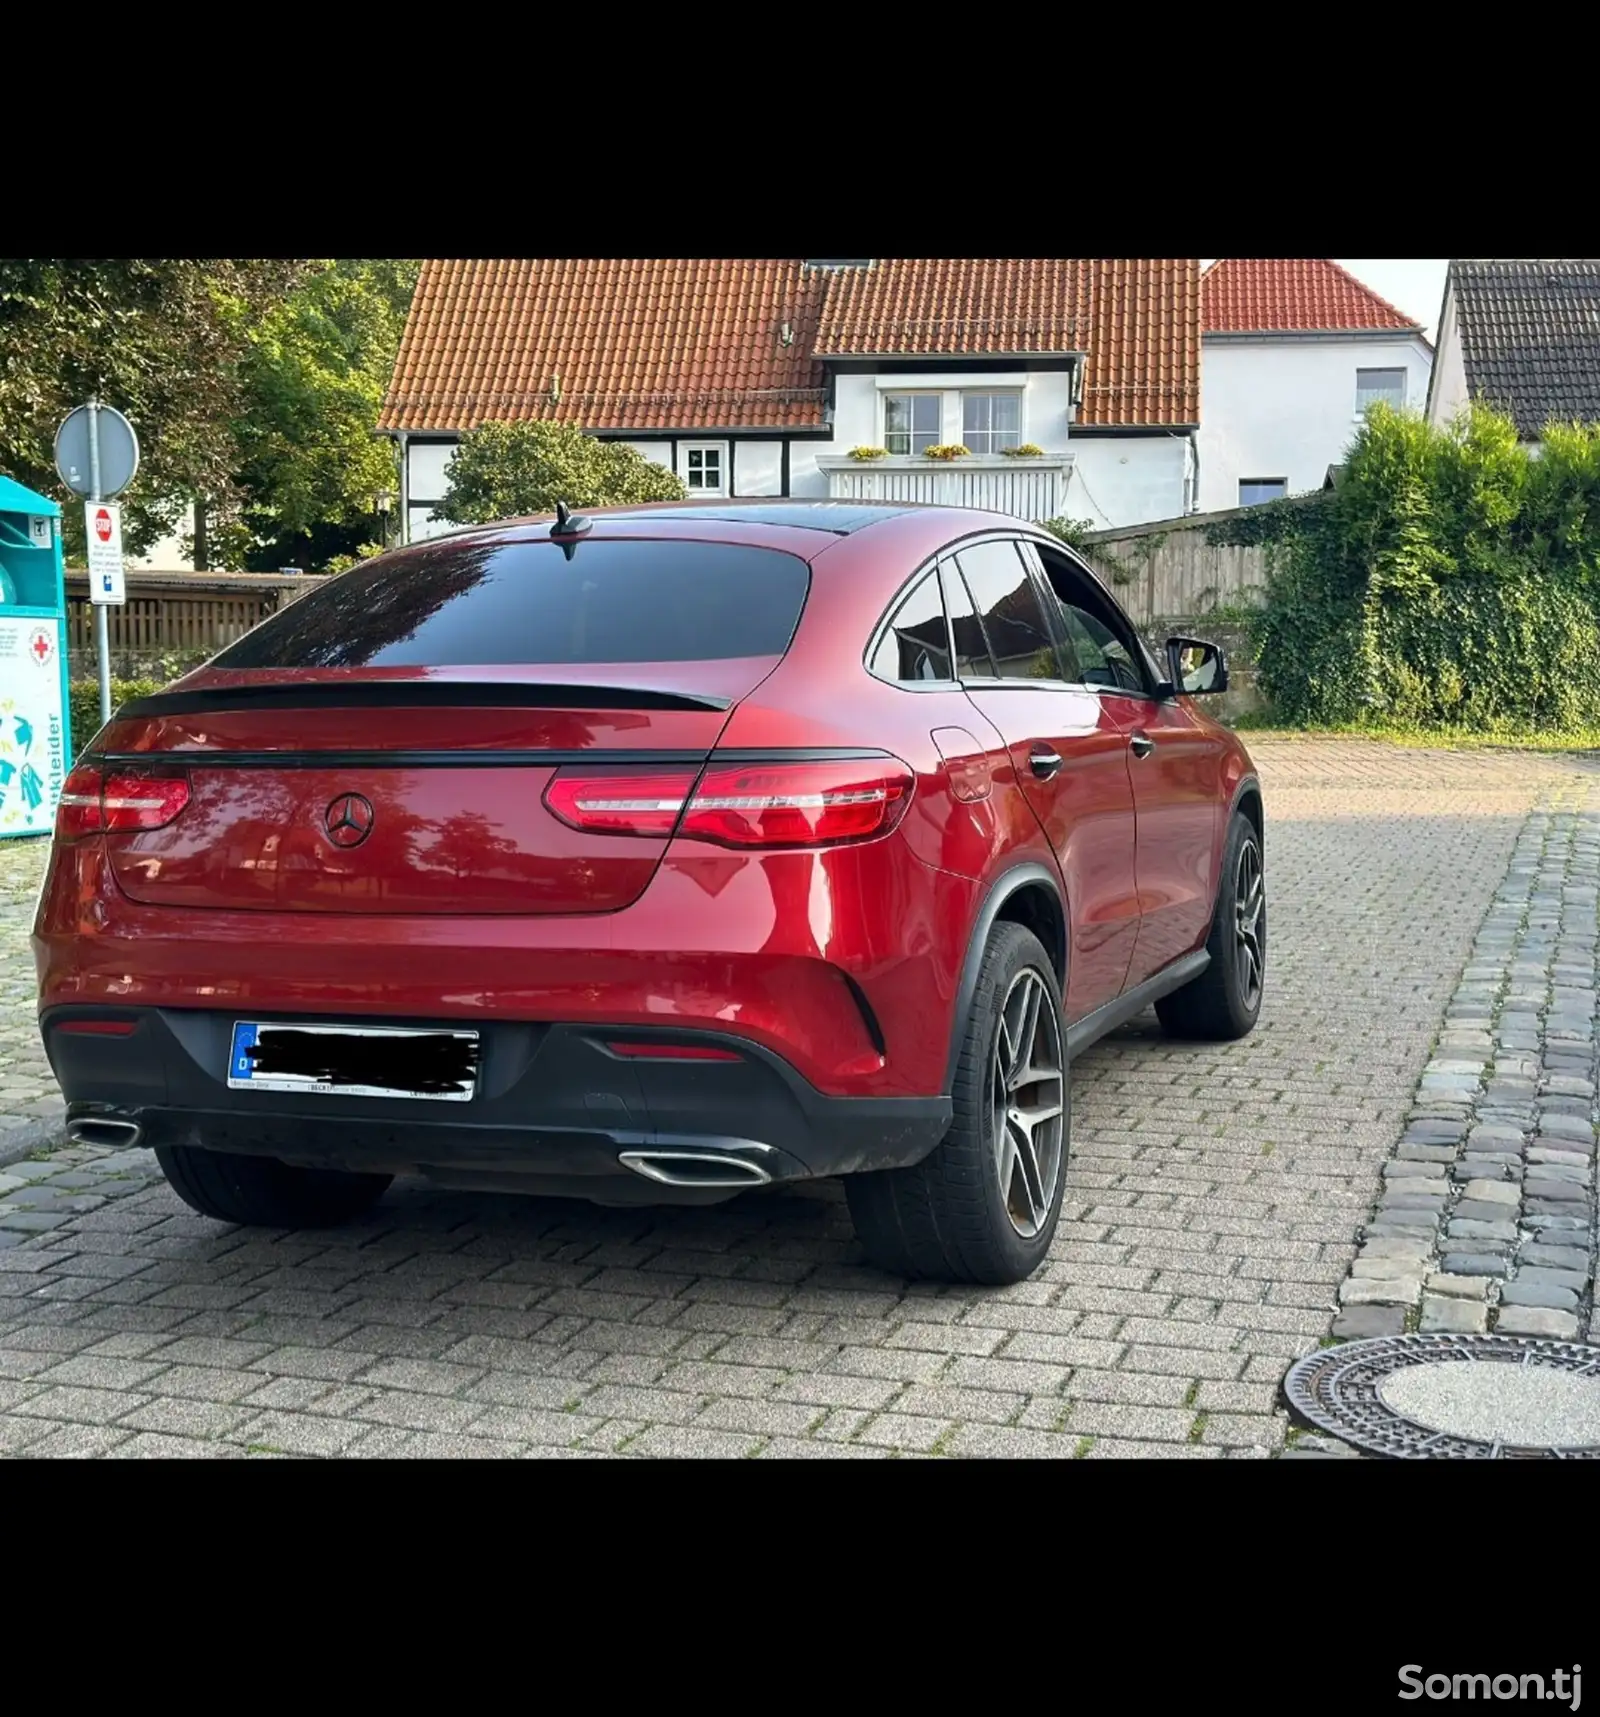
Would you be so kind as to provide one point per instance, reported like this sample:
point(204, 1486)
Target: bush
point(84, 695)
point(85, 704)
point(1073, 532)
point(1450, 580)
point(508, 470)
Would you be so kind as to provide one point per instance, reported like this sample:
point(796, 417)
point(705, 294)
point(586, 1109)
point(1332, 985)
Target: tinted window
point(1103, 658)
point(915, 646)
point(475, 604)
point(1019, 635)
point(973, 661)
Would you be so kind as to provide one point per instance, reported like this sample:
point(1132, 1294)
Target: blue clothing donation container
point(34, 708)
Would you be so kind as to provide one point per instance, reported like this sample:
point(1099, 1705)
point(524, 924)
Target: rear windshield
point(478, 604)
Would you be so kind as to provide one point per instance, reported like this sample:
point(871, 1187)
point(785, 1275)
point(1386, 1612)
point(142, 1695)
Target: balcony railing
point(1025, 488)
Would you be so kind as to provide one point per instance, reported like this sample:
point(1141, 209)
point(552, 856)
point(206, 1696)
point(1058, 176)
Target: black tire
point(1221, 1004)
point(261, 1192)
point(947, 1218)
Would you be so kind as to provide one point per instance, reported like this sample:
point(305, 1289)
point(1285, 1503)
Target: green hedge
point(1449, 580)
point(85, 695)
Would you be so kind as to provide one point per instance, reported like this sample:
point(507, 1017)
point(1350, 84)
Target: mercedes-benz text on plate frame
point(354, 1061)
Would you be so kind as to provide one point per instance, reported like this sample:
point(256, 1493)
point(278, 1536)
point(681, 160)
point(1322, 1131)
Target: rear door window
point(1013, 616)
point(486, 603)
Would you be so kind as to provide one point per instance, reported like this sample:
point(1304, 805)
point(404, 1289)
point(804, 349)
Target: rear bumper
point(843, 965)
point(555, 1110)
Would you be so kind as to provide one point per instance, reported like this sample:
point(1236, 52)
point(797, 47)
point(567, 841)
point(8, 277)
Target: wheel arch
point(1247, 802)
point(1029, 895)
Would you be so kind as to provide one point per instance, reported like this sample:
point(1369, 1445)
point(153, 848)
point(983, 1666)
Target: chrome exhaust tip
point(694, 1168)
point(105, 1131)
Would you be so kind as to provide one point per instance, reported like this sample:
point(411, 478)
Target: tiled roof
point(700, 345)
point(609, 344)
point(1293, 295)
point(956, 306)
point(1144, 342)
point(1530, 337)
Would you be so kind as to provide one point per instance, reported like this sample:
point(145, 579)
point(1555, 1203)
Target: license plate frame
point(296, 1043)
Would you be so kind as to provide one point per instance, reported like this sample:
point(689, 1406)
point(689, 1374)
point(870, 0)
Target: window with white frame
point(991, 422)
point(1375, 387)
point(1254, 490)
point(911, 421)
point(705, 468)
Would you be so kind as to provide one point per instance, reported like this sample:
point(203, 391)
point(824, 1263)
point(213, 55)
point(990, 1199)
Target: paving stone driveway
point(1213, 1206)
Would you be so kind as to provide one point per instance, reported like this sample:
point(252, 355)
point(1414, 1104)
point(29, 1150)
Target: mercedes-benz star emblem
point(348, 820)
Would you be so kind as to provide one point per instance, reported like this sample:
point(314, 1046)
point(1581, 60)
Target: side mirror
point(1195, 667)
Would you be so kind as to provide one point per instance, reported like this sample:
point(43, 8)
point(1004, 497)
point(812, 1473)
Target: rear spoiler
point(414, 694)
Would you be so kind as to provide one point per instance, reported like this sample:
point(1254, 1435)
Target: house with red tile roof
point(1296, 350)
point(1072, 383)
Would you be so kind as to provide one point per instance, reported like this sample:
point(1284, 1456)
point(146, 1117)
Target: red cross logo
point(42, 646)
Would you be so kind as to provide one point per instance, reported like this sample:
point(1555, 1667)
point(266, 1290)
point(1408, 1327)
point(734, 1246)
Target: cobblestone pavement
point(1487, 1216)
point(1215, 1202)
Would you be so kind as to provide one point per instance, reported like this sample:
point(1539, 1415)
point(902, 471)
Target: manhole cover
point(1454, 1397)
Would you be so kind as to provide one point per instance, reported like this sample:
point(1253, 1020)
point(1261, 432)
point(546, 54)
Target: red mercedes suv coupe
point(650, 857)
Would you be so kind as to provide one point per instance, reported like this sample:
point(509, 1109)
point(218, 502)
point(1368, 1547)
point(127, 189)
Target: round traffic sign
point(119, 452)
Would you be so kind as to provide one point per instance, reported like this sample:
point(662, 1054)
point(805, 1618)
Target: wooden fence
point(172, 612)
point(1168, 570)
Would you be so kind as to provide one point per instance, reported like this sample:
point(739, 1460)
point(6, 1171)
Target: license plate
point(354, 1061)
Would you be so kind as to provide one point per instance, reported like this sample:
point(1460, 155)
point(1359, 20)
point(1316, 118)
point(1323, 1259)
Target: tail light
point(754, 805)
point(96, 801)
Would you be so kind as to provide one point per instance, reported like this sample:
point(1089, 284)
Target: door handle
point(1044, 763)
point(1142, 745)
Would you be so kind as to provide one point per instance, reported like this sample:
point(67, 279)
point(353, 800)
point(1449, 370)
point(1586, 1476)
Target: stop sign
point(102, 525)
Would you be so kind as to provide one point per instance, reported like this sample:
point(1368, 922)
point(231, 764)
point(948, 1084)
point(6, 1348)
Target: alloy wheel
point(1029, 1103)
point(1249, 897)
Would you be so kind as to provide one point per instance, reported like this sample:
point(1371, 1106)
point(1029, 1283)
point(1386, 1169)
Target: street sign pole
point(102, 627)
point(97, 454)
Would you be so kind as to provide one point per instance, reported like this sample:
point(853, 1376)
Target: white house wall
point(758, 468)
point(1448, 394)
point(1128, 480)
point(805, 479)
point(1287, 408)
point(1135, 480)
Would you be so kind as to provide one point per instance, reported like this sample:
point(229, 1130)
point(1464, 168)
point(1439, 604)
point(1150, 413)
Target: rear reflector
point(759, 805)
point(124, 801)
point(672, 1052)
point(97, 1027)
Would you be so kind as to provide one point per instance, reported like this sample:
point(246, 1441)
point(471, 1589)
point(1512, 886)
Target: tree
point(312, 377)
point(160, 339)
point(507, 470)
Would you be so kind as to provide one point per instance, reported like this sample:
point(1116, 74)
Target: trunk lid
point(402, 793)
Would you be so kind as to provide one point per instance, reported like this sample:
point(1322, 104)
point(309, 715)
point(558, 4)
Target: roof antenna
point(568, 528)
